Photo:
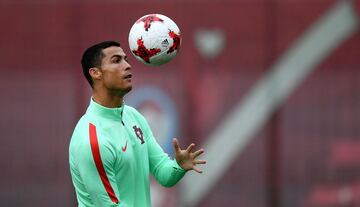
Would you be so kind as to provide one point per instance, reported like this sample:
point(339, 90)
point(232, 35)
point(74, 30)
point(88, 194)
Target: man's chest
point(130, 144)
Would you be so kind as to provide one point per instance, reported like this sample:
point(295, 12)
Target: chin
point(121, 91)
point(127, 90)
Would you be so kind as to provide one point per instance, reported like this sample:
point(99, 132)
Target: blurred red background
point(306, 155)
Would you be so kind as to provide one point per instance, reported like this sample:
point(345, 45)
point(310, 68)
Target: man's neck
point(107, 99)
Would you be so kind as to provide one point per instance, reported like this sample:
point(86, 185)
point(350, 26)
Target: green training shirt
point(111, 153)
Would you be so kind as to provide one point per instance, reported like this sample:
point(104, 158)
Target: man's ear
point(95, 73)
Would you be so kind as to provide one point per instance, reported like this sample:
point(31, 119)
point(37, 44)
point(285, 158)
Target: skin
point(113, 80)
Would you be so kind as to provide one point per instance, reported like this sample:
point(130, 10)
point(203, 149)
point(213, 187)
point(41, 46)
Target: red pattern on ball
point(148, 20)
point(145, 53)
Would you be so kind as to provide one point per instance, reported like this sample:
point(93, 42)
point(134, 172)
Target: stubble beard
point(123, 92)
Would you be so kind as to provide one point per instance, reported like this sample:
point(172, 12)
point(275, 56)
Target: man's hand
point(186, 158)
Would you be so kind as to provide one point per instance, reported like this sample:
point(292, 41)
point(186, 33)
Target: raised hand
point(186, 158)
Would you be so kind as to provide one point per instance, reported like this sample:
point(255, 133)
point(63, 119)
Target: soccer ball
point(154, 39)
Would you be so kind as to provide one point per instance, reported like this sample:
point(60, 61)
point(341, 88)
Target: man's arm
point(95, 165)
point(166, 171)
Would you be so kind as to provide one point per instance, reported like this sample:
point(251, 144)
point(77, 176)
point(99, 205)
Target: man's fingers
point(190, 147)
point(200, 161)
point(176, 145)
point(199, 152)
point(197, 169)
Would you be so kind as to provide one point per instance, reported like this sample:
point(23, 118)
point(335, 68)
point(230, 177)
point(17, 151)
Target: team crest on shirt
point(139, 134)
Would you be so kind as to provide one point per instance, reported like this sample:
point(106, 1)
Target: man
point(112, 150)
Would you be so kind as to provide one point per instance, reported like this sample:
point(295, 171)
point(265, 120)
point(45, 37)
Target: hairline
point(103, 55)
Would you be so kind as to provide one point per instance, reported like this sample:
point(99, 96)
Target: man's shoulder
point(81, 130)
point(82, 124)
point(85, 130)
point(129, 110)
point(137, 118)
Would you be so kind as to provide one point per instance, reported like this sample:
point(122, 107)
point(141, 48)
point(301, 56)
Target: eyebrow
point(119, 56)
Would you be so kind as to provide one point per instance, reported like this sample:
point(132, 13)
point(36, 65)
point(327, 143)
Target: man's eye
point(116, 60)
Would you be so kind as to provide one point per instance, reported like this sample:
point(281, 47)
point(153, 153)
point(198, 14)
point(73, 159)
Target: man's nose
point(128, 66)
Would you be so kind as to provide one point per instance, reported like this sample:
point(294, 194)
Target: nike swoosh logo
point(124, 148)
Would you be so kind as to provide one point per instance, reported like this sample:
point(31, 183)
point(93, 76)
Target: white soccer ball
point(154, 39)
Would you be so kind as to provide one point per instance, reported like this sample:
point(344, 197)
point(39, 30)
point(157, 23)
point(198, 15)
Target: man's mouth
point(128, 76)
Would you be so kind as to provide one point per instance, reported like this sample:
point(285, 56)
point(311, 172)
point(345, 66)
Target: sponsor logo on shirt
point(124, 147)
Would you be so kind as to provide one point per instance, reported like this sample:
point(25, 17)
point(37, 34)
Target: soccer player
point(112, 150)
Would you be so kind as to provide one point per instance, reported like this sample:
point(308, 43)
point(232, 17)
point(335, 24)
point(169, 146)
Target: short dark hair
point(93, 56)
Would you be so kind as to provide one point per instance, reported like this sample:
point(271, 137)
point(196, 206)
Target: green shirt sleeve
point(93, 180)
point(165, 170)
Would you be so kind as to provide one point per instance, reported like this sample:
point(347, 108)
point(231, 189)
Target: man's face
point(116, 75)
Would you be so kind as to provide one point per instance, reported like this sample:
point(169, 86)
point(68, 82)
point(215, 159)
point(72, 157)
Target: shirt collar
point(105, 112)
